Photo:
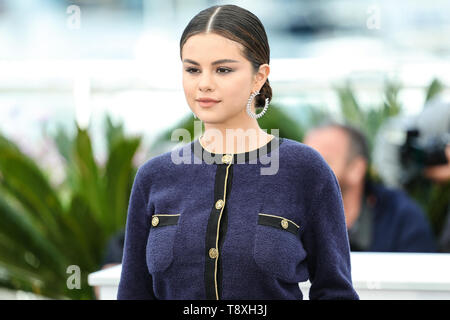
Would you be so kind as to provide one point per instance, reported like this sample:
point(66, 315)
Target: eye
point(191, 70)
point(225, 70)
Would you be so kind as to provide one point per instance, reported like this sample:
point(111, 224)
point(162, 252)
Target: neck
point(234, 136)
point(351, 197)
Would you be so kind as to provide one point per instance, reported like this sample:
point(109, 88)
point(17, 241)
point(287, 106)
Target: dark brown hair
point(240, 25)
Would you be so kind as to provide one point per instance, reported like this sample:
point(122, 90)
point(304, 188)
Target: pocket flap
point(278, 222)
point(160, 220)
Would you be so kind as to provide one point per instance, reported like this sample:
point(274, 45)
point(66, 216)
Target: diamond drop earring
point(249, 106)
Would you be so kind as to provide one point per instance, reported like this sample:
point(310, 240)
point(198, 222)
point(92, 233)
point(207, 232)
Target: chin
point(209, 119)
point(213, 116)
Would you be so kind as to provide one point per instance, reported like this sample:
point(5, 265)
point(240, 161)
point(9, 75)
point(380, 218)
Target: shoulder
point(160, 166)
point(299, 153)
point(154, 164)
point(304, 160)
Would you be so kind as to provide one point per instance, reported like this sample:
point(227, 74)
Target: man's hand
point(439, 173)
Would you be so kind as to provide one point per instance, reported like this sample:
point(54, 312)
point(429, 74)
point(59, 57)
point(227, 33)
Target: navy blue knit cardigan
point(242, 226)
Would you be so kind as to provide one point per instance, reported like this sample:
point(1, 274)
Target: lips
point(207, 102)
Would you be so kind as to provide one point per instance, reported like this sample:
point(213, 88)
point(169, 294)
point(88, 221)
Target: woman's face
point(214, 67)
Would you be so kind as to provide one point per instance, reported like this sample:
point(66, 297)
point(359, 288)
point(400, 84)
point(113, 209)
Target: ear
point(261, 76)
point(356, 171)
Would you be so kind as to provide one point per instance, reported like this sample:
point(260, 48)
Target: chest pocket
point(278, 250)
point(160, 241)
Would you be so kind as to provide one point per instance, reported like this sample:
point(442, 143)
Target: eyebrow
point(213, 63)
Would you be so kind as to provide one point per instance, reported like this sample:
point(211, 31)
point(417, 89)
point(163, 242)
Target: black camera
point(421, 153)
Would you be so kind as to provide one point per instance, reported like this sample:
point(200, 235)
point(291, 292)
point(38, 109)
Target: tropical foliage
point(45, 229)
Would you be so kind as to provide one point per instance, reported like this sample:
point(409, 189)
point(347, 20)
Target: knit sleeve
point(326, 240)
point(135, 280)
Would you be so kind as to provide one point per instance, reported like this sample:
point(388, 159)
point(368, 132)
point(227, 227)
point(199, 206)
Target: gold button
point(155, 221)
point(213, 253)
point(219, 204)
point(227, 158)
point(284, 224)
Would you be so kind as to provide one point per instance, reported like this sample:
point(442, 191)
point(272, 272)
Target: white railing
point(389, 276)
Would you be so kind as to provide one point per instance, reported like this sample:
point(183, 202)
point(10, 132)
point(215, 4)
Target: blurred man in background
point(378, 218)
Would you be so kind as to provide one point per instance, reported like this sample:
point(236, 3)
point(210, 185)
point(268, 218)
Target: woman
point(219, 226)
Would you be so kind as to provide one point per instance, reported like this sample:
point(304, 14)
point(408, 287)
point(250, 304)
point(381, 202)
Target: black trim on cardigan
point(165, 220)
point(211, 232)
point(246, 157)
point(223, 231)
point(276, 223)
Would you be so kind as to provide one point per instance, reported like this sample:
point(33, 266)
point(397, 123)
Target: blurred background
point(83, 103)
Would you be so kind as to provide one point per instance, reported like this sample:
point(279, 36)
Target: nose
point(206, 82)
